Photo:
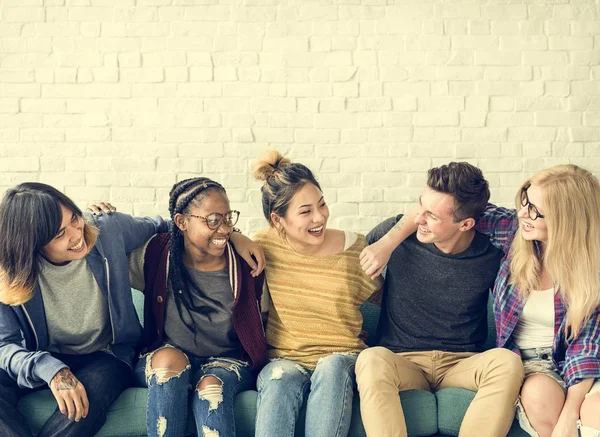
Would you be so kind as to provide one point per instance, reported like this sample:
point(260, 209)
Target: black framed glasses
point(532, 210)
point(215, 219)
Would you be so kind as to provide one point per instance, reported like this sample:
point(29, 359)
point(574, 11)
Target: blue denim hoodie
point(23, 329)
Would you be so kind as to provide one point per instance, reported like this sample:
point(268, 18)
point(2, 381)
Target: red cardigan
point(247, 290)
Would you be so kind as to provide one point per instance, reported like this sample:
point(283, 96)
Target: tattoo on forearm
point(400, 222)
point(65, 380)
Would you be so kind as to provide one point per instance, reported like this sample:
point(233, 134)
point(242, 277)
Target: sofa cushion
point(424, 411)
point(127, 416)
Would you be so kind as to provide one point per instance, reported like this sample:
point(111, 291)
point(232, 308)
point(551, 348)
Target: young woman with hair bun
point(315, 289)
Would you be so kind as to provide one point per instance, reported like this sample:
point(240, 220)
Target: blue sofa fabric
point(426, 414)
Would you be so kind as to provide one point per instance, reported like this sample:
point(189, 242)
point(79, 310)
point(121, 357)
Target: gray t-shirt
point(433, 300)
point(214, 333)
point(76, 309)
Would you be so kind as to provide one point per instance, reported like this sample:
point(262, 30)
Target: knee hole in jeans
point(166, 363)
point(210, 389)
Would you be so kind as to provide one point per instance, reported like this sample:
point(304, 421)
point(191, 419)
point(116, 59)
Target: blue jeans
point(283, 385)
point(104, 378)
point(168, 401)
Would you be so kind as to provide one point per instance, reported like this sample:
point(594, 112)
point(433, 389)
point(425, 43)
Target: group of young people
point(216, 324)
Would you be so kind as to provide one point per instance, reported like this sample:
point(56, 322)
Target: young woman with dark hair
point(316, 287)
point(202, 318)
point(67, 319)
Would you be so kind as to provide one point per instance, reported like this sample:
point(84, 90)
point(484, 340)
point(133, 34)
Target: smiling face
point(533, 230)
point(436, 223)
point(69, 243)
point(202, 243)
point(305, 221)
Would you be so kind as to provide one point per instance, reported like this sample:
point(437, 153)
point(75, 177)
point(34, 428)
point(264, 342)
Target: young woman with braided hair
point(202, 318)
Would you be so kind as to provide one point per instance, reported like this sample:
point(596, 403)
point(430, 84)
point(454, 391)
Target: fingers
point(85, 402)
point(94, 209)
point(371, 268)
point(98, 208)
point(71, 409)
point(73, 403)
point(107, 207)
point(377, 273)
point(247, 256)
point(260, 263)
point(78, 404)
point(366, 261)
point(62, 406)
point(70, 394)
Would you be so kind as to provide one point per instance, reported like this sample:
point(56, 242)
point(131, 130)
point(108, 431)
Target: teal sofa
point(427, 414)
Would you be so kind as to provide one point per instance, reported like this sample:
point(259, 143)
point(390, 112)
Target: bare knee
point(208, 380)
point(589, 411)
point(210, 389)
point(166, 363)
point(542, 399)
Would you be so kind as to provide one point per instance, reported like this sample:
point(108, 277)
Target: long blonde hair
point(571, 255)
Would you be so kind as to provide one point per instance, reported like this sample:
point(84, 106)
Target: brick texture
point(118, 99)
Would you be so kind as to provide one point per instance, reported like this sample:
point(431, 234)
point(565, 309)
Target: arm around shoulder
point(135, 231)
point(500, 224)
point(384, 239)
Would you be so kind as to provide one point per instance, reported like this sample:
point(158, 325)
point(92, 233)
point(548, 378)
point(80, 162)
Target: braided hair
point(183, 194)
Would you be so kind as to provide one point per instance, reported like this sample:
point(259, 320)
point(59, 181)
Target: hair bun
point(268, 164)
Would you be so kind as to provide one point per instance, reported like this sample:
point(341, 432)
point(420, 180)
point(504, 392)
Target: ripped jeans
point(168, 401)
point(283, 385)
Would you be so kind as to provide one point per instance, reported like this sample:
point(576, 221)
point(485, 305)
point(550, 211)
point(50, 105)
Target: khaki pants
point(496, 375)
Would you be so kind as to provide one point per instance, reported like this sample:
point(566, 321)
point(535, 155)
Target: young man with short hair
point(433, 322)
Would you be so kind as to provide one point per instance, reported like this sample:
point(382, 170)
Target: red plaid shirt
point(577, 359)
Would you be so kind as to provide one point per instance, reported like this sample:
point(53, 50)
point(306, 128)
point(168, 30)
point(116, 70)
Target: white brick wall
point(118, 99)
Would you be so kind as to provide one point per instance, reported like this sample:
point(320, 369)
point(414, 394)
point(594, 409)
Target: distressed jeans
point(104, 378)
point(169, 400)
point(283, 385)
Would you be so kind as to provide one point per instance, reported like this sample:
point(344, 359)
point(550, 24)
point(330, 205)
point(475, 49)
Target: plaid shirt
point(577, 359)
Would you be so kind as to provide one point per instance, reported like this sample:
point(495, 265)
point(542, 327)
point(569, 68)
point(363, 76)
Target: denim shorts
point(539, 361)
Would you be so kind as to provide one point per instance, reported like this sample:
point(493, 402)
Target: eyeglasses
point(214, 220)
point(532, 210)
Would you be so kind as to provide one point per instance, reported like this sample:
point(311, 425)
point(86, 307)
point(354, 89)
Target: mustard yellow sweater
point(314, 300)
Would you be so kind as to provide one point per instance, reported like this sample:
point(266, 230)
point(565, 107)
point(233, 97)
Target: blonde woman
point(546, 297)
